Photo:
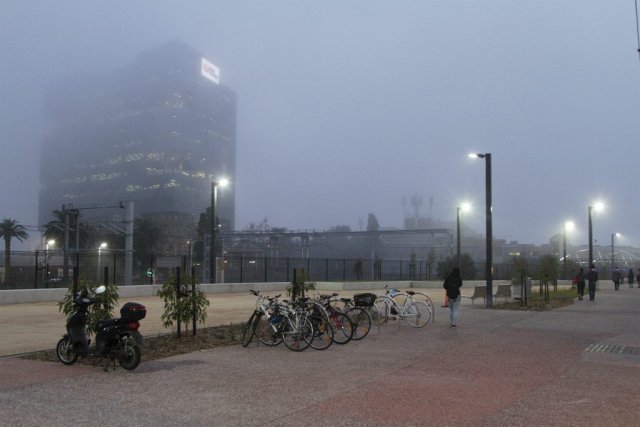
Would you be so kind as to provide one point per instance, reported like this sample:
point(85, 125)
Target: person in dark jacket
point(630, 277)
point(452, 285)
point(592, 278)
point(580, 281)
point(616, 276)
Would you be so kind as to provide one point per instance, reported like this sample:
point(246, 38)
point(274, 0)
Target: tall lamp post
point(596, 207)
point(48, 243)
point(213, 223)
point(460, 209)
point(102, 246)
point(568, 226)
point(613, 235)
point(489, 226)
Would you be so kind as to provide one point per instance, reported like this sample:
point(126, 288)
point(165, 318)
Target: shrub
point(101, 310)
point(190, 304)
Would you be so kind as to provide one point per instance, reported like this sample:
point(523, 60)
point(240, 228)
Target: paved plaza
point(578, 365)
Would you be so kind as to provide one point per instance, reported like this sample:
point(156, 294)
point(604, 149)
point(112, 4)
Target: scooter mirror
point(100, 289)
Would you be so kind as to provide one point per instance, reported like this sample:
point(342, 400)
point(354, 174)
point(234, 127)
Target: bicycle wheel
point(249, 329)
point(297, 333)
point(361, 321)
point(269, 330)
point(342, 327)
point(322, 333)
point(380, 311)
point(418, 314)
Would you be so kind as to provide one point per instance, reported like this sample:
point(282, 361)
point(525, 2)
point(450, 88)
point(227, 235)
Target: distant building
point(156, 132)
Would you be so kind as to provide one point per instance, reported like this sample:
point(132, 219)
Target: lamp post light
point(596, 206)
point(489, 226)
point(213, 223)
point(613, 235)
point(48, 243)
point(568, 226)
point(460, 209)
point(102, 246)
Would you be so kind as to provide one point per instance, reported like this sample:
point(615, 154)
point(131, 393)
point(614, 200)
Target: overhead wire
point(637, 28)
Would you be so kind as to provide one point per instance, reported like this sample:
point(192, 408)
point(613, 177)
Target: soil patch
point(161, 346)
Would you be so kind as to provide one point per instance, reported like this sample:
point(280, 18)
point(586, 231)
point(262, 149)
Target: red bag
point(575, 280)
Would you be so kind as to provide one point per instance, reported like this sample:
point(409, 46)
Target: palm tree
point(10, 228)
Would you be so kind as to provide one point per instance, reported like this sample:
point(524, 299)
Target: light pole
point(613, 235)
point(568, 226)
point(596, 207)
point(489, 226)
point(459, 210)
point(46, 261)
point(102, 246)
point(213, 224)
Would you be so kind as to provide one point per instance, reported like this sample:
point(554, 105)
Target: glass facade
point(156, 132)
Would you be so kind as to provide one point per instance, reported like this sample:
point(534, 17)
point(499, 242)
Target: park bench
point(479, 292)
point(504, 291)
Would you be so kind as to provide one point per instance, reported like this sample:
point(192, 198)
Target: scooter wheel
point(129, 357)
point(65, 353)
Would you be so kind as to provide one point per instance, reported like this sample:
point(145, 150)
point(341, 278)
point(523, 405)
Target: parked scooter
point(116, 339)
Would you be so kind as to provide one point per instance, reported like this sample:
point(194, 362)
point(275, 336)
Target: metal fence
point(42, 269)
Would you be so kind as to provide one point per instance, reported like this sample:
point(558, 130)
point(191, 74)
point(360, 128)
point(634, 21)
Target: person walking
point(580, 282)
point(452, 285)
point(616, 276)
point(592, 277)
point(630, 277)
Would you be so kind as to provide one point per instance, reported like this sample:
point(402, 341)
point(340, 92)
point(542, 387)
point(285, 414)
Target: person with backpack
point(452, 285)
point(592, 278)
point(630, 277)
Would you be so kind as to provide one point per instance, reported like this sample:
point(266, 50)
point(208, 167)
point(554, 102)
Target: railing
point(30, 270)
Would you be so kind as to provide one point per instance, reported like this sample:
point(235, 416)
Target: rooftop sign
point(210, 71)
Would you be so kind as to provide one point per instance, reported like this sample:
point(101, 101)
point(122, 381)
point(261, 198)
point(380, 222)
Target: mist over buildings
point(349, 108)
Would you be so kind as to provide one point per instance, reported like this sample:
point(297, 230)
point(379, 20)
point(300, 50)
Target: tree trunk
point(7, 259)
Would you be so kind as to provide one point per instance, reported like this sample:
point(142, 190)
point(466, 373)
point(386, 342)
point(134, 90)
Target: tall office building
point(156, 132)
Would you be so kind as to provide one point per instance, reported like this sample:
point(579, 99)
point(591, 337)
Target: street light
point(489, 226)
point(613, 235)
point(102, 246)
point(463, 208)
point(48, 243)
point(596, 206)
point(213, 227)
point(568, 226)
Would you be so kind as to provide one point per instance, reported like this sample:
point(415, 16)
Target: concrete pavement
point(578, 365)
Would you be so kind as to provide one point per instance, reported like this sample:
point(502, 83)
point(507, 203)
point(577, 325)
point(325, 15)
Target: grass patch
point(537, 302)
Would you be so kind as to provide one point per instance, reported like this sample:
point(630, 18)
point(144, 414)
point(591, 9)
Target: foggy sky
point(346, 106)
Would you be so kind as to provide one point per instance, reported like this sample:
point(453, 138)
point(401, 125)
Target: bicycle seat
point(410, 292)
point(346, 300)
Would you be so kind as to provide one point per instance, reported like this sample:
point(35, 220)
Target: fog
point(346, 107)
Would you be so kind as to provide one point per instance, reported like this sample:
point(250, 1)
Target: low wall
point(20, 296)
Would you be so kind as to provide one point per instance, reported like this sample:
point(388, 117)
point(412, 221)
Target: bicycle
point(273, 322)
point(340, 322)
point(263, 305)
point(358, 310)
point(416, 313)
point(323, 334)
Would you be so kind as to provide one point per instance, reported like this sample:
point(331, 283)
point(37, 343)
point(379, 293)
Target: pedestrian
point(579, 278)
point(616, 276)
point(630, 277)
point(592, 277)
point(452, 285)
